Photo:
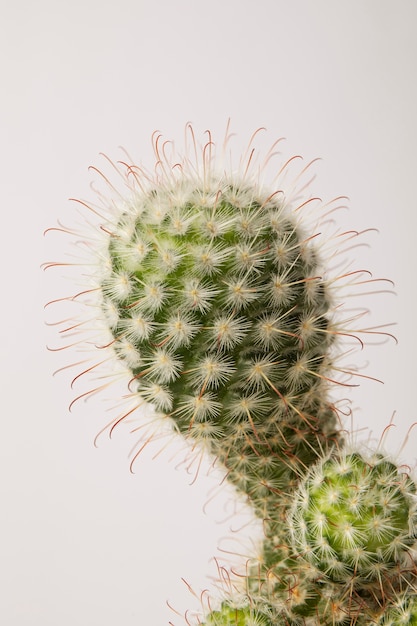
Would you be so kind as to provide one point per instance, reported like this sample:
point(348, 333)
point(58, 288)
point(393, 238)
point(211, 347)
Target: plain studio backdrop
point(83, 542)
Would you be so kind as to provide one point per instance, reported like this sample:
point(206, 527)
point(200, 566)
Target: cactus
point(220, 305)
point(216, 303)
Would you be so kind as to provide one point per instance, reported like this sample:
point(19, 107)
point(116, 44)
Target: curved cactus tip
point(354, 518)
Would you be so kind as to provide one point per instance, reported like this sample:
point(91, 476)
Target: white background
point(82, 541)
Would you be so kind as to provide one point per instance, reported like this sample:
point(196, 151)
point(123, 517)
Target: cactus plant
point(219, 302)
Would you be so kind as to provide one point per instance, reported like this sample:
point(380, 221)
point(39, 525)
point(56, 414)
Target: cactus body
point(216, 303)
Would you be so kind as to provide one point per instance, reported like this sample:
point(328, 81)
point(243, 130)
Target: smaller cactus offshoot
point(355, 520)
